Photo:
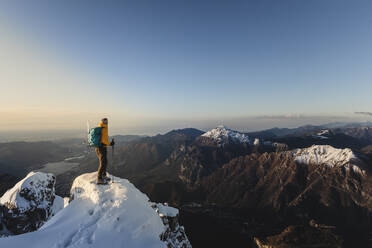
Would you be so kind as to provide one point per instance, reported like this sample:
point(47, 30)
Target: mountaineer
point(98, 138)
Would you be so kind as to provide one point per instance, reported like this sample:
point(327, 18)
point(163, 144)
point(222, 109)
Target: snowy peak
point(223, 135)
point(329, 156)
point(324, 154)
point(31, 202)
point(31, 192)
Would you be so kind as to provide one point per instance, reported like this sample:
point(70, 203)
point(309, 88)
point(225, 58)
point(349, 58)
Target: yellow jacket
point(104, 134)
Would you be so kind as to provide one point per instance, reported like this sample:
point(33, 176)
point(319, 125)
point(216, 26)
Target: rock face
point(27, 205)
point(320, 174)
point(296, 186)
point(174, 235)
point(192, 163)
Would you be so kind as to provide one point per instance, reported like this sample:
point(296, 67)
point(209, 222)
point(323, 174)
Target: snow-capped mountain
point(329, 156)
point(35, 190)
point(223, 135)
point(324, 154)
point(117, 214)
point(31, 198)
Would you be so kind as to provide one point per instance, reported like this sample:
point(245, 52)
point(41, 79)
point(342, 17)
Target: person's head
point(104, 121)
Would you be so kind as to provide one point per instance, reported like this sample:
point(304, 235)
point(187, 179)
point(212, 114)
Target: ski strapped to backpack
point(94, 136)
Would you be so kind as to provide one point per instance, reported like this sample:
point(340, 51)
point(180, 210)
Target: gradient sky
point(155, 65)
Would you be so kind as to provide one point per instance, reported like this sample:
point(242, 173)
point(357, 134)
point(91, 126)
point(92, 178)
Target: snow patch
point(75, 158)
point(165, 210)
point(66, 201)
point(323, 134)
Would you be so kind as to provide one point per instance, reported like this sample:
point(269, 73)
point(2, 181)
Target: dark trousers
point(102, 156)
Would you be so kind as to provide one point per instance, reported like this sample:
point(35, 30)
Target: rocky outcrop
point(26, 206)
point(174, 235)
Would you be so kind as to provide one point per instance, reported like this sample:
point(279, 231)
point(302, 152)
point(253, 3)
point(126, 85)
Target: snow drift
point(117, 214)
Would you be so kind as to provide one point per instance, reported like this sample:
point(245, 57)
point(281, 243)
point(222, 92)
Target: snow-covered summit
point(31, 202)
point(223, 135)
point(329, 156)
point(117, 214)
point(30, 192)
point(324, 154)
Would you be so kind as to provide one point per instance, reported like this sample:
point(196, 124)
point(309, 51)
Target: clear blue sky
point(192, 60)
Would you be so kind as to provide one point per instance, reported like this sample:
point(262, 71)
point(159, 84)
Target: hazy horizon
point(258, 123)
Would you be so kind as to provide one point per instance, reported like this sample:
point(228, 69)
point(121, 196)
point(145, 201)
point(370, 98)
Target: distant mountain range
point(309, 129)
point(253, 184)
point(318, 174)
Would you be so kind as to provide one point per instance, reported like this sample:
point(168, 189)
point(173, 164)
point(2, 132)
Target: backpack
point(94, 136)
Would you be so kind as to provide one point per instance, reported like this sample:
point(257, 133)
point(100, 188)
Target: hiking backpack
point(94, 136)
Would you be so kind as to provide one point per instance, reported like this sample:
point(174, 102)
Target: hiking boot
point(101, 181)
point(106, 178)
